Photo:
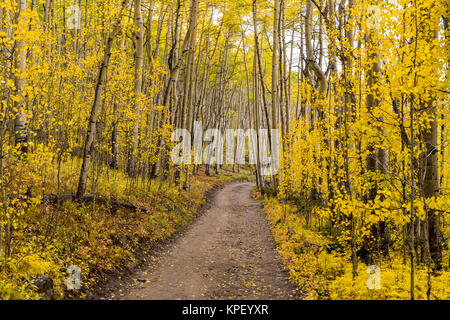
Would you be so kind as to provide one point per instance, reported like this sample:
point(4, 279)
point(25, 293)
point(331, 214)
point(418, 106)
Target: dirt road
point(227, 253)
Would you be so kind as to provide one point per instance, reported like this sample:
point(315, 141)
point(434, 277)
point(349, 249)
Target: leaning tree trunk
point(92, 125)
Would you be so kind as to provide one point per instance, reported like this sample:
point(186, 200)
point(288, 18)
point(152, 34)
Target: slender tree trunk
point(275, 92)
point(20, 121)
point(92, 124)
point(430, 176)
point(412, 196)
point(138, 72)
point(376, 161)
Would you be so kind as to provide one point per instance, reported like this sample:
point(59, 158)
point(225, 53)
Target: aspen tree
point(20, 121)
point(92, 123)
point(138, 72)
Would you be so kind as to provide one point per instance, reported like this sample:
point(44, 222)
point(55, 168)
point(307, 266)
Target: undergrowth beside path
point(102, 241)
point(319, 261)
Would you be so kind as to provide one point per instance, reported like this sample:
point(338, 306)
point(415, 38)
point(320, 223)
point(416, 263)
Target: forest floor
point(227, 253)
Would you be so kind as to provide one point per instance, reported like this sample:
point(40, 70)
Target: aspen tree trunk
point(430, 175)
point(138, 72)
point(256, 116)
point(5, 204)
point(257, 123)
point(286, 73)
point(289, 86)
point(92, 124)
point(300, 108)
point(173, 62)
point(311, 63)
point(376, 161)
point(188, 76)
point(443, 115)
point(349, 105)
point(20, 121)
point(47, 12)
point(114, 164)
point(190, 62)
point(412, 196)
point(281, 73)
point(260, 69)
point(275, 93)
point(276, 23)
point(175, 59)
point(251, 111)
point(319, 82)
point(3, 128)
point(158, 33)
point(149, 33)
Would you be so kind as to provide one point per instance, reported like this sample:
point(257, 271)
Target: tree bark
point(138, 72)
point(92, 124)
point(20, 121)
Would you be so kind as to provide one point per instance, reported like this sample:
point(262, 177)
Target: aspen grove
point(92, 91)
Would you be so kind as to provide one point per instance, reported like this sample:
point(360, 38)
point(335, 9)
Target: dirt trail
point(227, 253)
